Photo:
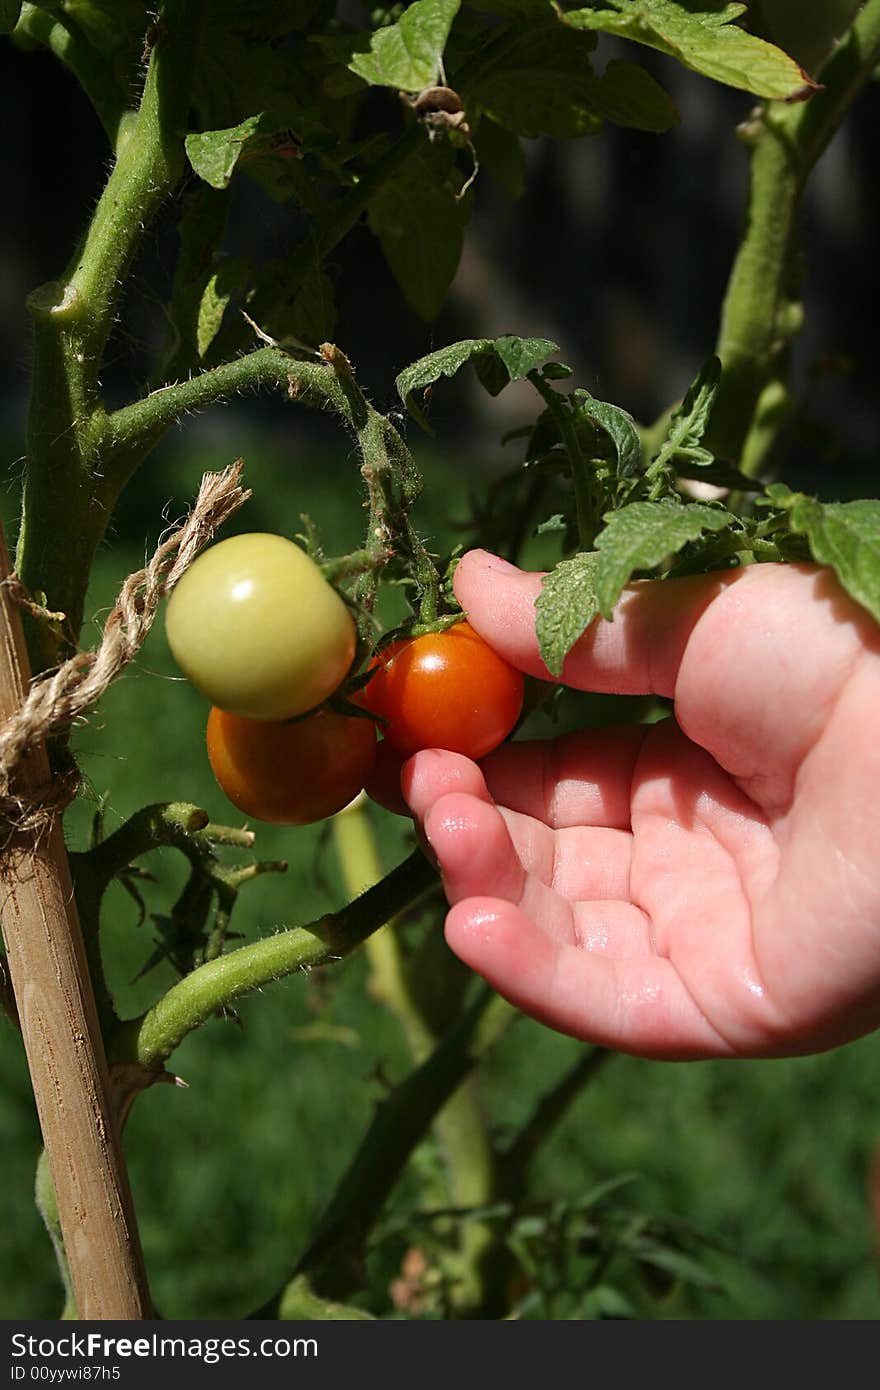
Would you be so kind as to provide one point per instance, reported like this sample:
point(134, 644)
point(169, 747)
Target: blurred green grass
point(770, 1159)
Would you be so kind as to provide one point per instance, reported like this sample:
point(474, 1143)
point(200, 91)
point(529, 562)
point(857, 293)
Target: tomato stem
point(401, 1121)
point(756, 325)
point(150, 1039)
point(581, 474)
point(66, 490)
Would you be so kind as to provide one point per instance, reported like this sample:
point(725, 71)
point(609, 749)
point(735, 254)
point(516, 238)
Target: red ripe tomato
point(383, 783)
point(290, 774)
point(445, 690)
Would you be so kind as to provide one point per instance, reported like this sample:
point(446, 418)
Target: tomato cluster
point(260, 633)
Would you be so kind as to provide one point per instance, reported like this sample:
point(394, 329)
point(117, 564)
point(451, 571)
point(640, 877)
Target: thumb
point(637, 653)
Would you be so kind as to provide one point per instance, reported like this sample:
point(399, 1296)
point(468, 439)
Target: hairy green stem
point(786, 142)
point(65, 490)
point(136, 429)
point(150, 1039)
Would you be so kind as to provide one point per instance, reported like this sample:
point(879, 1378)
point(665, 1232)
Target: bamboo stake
point(62, 1037)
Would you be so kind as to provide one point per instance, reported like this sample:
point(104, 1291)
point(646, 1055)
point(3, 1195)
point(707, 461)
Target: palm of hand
point(707, 888)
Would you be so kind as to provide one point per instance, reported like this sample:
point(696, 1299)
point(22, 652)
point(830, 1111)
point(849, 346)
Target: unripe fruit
point(256, 628)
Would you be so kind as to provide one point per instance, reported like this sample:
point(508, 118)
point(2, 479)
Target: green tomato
point(256, 628)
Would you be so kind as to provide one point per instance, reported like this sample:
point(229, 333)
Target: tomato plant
point(290, 773)
point(257, 155)
point(258, 630)
point(447, 690)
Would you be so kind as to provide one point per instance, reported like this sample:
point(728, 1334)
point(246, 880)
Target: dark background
point(619, 252)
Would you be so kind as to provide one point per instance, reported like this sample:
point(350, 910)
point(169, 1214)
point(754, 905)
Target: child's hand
point(708, 886)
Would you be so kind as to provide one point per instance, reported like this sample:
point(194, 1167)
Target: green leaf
point(565, 607)
point(444, 362)
point(214, 154)
point(621, 429)
point(552, 526)
point(407, 55)
point(680, 1266)
point(266, 148)
point(542, 84)
point(629, 96)
point(228, 280)
point(846, 536)
point(420, 226)
point(9, 12)
point(690, 421)
point(640, 536)
point(522, 355)
point(511, 359)
point(702, 35)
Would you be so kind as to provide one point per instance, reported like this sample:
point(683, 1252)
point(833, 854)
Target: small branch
point(786, 142)
point(165, 823)
point(547, 1114)
point(150, 1040)
point(61, 1033)
point(133, 431)
point(333, 1256)
point(328, 382)
point(580, 470)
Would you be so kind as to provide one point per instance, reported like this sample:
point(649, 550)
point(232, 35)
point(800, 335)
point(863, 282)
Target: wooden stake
point(62, 1036)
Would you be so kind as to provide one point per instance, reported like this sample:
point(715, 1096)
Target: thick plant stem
point(65, 491)
point(149, 1041)
point(61, 1033)
point(756, 320)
